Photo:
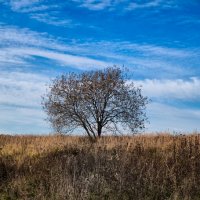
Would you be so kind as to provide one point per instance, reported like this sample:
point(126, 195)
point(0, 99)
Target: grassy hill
point(142, 167)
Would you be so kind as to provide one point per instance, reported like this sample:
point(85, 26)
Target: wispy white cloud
point(63, 59)
point(52, 20)
point(21, 45)
point(186, 90)
point(194, 20)
point(22, 89)
point(143, 57)
point(15, 36)
point(148, 49)
point(171, 115)
point(20, 120)
point(18, 5)
point(158, 50)
point(40, 10)
point(7, 58)
point(125, 5)
point(20, 102)
point(150, 4)
point(163, 117)
point(94, 4)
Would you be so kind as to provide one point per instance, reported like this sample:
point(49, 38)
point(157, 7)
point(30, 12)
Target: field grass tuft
point(146, 167)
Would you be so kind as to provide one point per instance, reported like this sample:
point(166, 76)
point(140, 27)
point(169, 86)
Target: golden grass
point(154, 166)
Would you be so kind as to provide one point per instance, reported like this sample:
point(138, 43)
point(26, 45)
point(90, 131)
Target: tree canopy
point(101, 101)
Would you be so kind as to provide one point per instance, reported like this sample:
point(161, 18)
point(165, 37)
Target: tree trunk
point(99, 130)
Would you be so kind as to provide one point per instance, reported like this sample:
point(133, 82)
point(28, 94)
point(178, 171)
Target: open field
point(63, 167)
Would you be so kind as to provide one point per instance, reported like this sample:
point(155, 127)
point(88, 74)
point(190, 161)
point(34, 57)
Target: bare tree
point(95, 101)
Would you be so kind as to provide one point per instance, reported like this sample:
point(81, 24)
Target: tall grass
point(63, 167)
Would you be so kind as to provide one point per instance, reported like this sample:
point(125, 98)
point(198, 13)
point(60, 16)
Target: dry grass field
point(145, 167)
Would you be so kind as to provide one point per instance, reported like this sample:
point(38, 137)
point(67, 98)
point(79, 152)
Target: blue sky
point(159, 41)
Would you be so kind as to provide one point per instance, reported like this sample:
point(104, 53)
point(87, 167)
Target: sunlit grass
point(150, 166)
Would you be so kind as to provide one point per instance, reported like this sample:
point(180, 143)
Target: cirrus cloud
point(176, 89)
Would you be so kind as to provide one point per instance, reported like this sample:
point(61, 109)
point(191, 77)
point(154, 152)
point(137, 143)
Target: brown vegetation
point(63, 167)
